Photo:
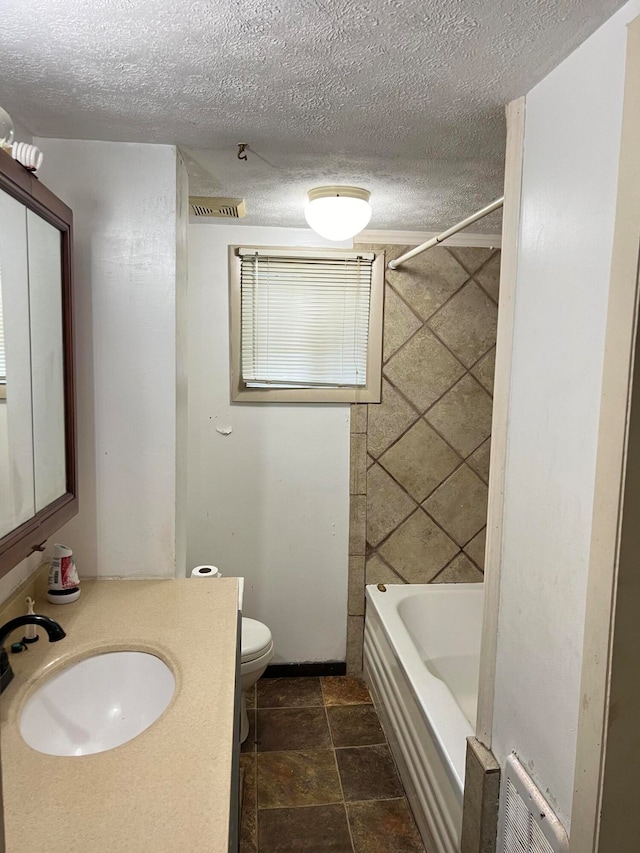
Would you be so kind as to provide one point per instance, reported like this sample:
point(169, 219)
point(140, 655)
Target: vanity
point(171, 787)
point(174, 786)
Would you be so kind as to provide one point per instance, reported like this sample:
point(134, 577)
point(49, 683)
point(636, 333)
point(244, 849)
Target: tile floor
point(318, 773)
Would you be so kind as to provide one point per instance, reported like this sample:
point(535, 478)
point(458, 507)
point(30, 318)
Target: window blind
point(305, 320)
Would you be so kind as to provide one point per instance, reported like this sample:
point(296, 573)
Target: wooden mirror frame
point(31, 535)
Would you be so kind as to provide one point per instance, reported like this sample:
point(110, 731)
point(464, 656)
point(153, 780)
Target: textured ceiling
point(404, 97)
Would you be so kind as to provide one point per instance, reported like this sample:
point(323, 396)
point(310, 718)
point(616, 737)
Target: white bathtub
point(421, 653)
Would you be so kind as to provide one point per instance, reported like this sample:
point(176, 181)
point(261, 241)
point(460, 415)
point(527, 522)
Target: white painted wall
point(182, 365)
point(571, 149)
point(124, 201)
point(5, 468)
point(271, 500)
point(10, 582)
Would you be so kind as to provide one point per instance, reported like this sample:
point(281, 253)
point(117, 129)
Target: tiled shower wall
point(420, 459)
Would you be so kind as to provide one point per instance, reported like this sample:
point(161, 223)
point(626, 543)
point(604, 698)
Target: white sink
point(97, 704)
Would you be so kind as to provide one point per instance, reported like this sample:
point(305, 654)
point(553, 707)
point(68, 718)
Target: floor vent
point(527, 823)
point(227, 208)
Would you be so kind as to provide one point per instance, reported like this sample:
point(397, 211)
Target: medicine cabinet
point(38, 478)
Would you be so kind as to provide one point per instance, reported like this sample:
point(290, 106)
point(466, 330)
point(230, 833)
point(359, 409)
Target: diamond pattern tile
point(388, 420)
point(479, 460)
point(459, 505)
point(425, 509)
point(387, 505)
point(471, 257)
point(467, 323)
point(463, 416)
point(423, 369)
point(418, 549)
point(489, 277)
point(484, 370)
point(377, 571)
point(475, 548)
point(420, 461)
point(399, 323)
point(460, 570)
point(428, 280)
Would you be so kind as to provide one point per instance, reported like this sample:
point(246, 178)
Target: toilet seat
point(256, 640)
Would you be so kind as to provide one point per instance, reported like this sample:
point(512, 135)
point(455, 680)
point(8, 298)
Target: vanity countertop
point(166, 790)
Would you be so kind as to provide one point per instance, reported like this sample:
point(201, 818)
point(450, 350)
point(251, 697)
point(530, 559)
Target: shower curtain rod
point(434, 241)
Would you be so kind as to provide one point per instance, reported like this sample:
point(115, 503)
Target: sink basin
point(97, 704)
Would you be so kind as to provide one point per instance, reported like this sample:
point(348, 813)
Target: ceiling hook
point(242, 150)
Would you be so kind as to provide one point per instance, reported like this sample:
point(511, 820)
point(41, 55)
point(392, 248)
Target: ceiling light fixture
point(338, 213)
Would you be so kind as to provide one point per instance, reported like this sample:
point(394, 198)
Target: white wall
point(5, 468)
point(124, 201)
point(10, 582)
point(271, 500)
point(182, 365)
point(571, 149)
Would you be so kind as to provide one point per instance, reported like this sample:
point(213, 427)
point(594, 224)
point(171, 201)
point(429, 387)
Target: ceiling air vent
point(227, 208)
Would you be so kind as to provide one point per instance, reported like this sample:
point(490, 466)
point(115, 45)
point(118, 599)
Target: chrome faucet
point(54, 632)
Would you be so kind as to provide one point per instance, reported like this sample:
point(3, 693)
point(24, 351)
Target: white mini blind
point(305, 320)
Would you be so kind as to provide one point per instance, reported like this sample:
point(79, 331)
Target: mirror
point(37, 426)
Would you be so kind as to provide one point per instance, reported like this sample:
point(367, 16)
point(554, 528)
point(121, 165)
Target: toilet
point(255, 655)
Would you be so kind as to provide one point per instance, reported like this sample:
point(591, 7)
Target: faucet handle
point(6, 673)
point(54, 632)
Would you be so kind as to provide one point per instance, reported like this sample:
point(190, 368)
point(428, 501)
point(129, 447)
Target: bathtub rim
point(454, 730)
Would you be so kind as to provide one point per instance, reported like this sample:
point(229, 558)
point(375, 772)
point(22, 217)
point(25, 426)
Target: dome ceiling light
point(338, 213)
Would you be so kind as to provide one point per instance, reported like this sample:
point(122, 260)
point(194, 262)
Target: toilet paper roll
point(206, 572)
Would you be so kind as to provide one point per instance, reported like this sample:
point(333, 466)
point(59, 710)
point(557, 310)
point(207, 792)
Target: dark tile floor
point(318, 773)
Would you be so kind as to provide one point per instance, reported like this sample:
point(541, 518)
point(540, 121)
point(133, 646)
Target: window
point(306, 325)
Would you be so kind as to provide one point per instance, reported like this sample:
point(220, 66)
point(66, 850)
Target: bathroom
point(162, 489)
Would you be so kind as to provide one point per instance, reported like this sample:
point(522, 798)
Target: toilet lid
point(256, 639)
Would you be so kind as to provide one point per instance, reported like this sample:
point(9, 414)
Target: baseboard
point(298, 670)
